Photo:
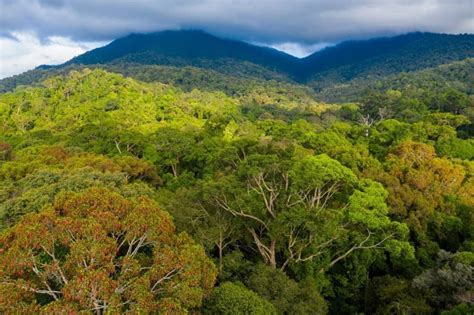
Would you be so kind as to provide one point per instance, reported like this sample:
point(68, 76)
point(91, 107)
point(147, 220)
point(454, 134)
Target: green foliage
point(230, 298)
point(461, 309)
point(304, 207)
point(288, 296)
point(427, 85)
point(36, 175)
point(449, 283)
point(390, 295)
point(456, 148)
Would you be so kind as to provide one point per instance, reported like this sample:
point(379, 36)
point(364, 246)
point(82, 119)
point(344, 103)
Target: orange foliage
point(98, 251)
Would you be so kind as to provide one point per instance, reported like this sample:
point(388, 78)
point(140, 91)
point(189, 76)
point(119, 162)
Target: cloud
point(23, 51)
point(268, 21)
point(300, 50)
point(296, 26)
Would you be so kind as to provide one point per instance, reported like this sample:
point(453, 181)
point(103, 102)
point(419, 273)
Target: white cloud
point(24, 51)
point(300, 50)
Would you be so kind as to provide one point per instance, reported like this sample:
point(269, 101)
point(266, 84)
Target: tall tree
point(298, 210)
point(97, 251)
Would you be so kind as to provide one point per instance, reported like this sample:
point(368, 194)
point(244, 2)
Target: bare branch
point(223, 204)
point(361, 245)
point(167, 276)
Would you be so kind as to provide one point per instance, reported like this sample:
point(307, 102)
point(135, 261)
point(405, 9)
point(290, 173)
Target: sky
point(35, 32)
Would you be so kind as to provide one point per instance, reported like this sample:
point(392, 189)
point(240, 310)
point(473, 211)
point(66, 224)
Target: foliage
point(36, 175)
point(288, 296)
point(304, 207)
point(391, 295)
point(230, 298)
point(449, 283)
point(98, 251)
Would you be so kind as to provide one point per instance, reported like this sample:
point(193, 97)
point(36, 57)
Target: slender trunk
point(117, 145)
point(220, 248)
point(272, 258)
point(174, 169)
point(267, 252)
point(220, 259)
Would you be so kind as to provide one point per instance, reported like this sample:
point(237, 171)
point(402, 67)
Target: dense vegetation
point(380, 57)
point(119, 195)
point(457, 75)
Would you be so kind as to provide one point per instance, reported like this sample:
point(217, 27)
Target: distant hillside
point(186, 78)
point(388, 55)
point(84, 97)
point(187, 48)
point(324, 71)
point(458, 75)
point(348, 60)
point(373, 60)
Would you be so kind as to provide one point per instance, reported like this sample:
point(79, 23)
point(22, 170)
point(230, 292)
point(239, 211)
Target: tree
point(456, 148)
point(97, 251)
point(450, 282)
point(215, 230)
point(282, 192)
point(230, 299)
point(391, 295)
point(454, 101)
point(288, 296)
point(302, 209)
point(460, 309)
point(35, 176)
point(385, 134)
point(418, 182)
point(171, 149)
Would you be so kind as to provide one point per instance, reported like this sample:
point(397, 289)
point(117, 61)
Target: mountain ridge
point(340, 64)
point(191, 45)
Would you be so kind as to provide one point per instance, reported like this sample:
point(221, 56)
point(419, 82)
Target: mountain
point(377, 58)
point(186, 48)
point(349, 59)
point(400, 53)
point(368, 60)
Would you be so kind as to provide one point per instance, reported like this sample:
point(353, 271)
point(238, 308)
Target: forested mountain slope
point(457, 75)
point(369, 60)
point(384, 56)
point(376, 57)
point(189, 48)
point(130, 196)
